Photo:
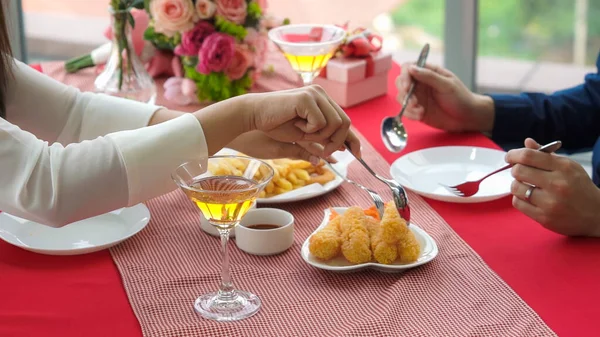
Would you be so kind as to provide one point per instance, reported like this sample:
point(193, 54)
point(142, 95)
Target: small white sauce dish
point(212, 230)
point(276, 233)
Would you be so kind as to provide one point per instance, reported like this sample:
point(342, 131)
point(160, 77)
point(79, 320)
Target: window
point(61, 29)
point(536, 45)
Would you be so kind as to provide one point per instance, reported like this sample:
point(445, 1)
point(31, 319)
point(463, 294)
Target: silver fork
point(400, 197)
point(377, 200)
point(470, 188)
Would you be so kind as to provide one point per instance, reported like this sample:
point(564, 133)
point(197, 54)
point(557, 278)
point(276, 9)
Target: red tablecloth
point(83, 295)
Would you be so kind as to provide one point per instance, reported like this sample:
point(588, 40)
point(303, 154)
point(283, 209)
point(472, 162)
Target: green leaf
point(225, 26)
point(147, 5)
point(139, 4)
point(254, 10)
point(131, 19)
point(149, 33)
point(216, 86)
point(159, 40)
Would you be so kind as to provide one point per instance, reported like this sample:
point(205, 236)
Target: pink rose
point(172, 16)
point(192, 40)
point(205, 9)
point(270, 21)
point(233, 10)
point(164, 64)
point(258, 44)
point(216, 53)
point(181, 91)
point(240, 62)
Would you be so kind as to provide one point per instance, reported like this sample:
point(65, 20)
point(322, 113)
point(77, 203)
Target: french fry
point(284, 184)
point(292, 178)
point(270, 187)
point(279, 190)
point(289, 174)
point(301, 174)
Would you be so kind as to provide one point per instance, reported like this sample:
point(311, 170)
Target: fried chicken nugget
point(326, 243)
point(355, 236)
point(385, 236)
point(408, 246)
point(382, 253)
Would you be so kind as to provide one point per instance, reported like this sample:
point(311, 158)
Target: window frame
point(460, 40)
point(16, 29)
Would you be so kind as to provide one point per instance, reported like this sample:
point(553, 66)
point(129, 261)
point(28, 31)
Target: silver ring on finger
point(529, 192)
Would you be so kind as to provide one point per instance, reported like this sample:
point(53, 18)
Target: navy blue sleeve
point(571, 115)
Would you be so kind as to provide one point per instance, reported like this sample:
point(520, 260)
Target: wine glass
point(307, 47)
point(224, 189)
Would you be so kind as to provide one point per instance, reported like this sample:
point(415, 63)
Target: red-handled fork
point(469, 188)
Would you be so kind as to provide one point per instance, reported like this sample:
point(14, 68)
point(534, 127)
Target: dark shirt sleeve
point(571, 115)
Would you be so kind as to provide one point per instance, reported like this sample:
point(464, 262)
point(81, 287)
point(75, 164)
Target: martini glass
point(307, 47)
point(224, 191)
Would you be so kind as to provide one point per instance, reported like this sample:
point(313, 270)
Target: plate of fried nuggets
point(294, 180)
point(350, 239)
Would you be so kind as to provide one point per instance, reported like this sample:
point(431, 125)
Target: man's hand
point(564, 200)
point(442, 101)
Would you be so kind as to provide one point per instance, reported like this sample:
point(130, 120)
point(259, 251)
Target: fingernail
point(415, 68)
point(314, 160)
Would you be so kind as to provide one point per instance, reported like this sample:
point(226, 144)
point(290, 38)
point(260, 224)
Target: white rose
point(205, 9)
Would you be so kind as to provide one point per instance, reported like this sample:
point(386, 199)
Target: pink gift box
point(350, 81)
point(350, 94)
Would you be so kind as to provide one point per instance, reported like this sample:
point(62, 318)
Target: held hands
point(441, 100)
point(564, 200)
point(258, 145)
point(305, 116)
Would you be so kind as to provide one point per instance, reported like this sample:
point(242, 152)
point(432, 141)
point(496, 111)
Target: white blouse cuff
point(151, 154)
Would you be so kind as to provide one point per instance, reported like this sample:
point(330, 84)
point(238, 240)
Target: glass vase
point(124, 74)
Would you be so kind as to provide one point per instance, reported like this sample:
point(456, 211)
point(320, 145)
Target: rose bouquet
point(220, 45)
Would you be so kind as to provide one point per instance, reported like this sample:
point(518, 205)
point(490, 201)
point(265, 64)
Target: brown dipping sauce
point(262, 226)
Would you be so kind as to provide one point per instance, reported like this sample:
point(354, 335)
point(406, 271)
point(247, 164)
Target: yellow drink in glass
point(308, 63)
point(224, 194)
point(225, 208)
point(307, 47)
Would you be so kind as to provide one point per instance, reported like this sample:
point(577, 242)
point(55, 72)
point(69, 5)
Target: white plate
point(85, 236)
point(423, 171)
point(344, 159)
point(429, 250)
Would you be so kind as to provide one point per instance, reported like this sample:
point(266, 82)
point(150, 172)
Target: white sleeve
point(56, 185)
point(56, 112)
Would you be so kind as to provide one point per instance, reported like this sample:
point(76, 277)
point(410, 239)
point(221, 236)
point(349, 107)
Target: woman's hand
point(564, 200)
point(441, 100)
point(304, 114)
point(258, 145)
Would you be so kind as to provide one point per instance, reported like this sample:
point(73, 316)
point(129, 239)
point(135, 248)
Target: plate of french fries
point(293, 180)
point(352, 238)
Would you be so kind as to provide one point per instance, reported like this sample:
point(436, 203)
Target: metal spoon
point(393, 132)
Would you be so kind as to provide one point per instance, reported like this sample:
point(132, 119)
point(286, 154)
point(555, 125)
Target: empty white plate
point(81, 237)
point(423, 171)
